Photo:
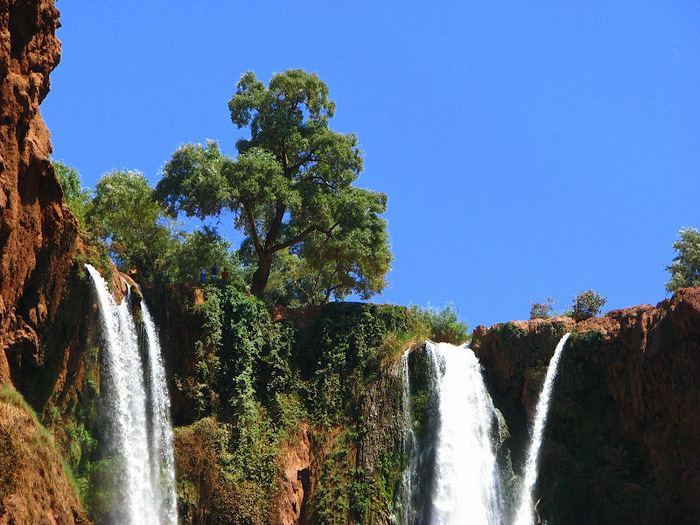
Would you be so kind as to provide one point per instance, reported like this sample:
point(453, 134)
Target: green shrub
point(587, 304)
point(542, 310)
point(685, 269)
point(439, 325)
point(77, 198)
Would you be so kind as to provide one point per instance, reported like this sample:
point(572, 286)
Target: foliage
point(542, 310)
point(273, 380)
point(133, 223)
point(289, 190)
point(199, 387)
point(205, 248)
point(439, 325)
point(331, 502)
point(210, 488)
point(685, 269)
point(245, 331)
point(77, 197)
point(340, 352)
point(587, 304)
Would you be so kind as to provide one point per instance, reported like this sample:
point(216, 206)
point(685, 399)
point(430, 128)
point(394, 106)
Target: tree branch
point(295, 240)
point(275, 228)
point(254, 231)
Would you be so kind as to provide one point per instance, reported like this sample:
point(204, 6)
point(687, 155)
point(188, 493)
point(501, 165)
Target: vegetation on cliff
point(256, 384)
point(685, 269)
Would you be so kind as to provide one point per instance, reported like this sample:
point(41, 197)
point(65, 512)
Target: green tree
point(290, 188)
point(204, 248)
point(685, 269)
point(133, 223)
point(77, 197)
point(542, 310)
point(587, 304)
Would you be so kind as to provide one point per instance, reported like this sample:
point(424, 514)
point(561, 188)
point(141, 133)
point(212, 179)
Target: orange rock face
point(35, 488)
point(296, 483)
point(38, 234)
point(623, 438)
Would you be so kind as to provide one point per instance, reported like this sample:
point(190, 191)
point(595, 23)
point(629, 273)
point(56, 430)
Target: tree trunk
point(261, 275)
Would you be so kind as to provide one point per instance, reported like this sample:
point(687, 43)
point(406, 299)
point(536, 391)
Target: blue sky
point(527, 148)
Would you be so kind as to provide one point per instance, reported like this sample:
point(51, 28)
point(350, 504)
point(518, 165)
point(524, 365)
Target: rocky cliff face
point(622, 441)
point(38, 240)
point(37, 233)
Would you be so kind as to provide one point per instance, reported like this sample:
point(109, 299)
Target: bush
point(542, 310)
point(77, 198)
point(439, 325)
point(685, 270)
point(587, 304)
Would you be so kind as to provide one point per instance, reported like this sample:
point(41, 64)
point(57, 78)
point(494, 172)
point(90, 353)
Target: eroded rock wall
point(38, 241)
point(33, 484)
point(38, 235)
point(623, 438)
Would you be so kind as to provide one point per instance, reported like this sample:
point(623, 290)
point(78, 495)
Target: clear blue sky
point(527, 148)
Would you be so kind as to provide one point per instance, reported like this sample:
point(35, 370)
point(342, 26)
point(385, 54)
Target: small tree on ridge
point(685, 269)
point(587, 304)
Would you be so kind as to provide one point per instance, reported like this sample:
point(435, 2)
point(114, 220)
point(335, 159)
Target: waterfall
point(456, 463)
point(410, 446)
point(161, 431)
point(526, 509)
point(141, 450)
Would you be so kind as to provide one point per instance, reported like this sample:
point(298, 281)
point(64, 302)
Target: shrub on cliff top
point(439, 325)
point(77, 198)
point(542, 310)
point(587, 304)
point(685, 269)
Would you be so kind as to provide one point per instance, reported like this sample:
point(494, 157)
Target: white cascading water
point(139, 500)
point(161, 429)
point(410, 446)
point(465, 483)
point(525, 515)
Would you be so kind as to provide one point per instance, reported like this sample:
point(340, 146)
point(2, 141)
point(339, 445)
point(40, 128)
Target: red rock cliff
point(623, 438)
point(37, 232)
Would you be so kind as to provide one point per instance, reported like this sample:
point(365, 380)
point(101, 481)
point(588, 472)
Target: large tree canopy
point(290, 188)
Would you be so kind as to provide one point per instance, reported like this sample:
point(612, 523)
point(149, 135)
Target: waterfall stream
point(525, 509)
point(457, 472)
point(161, 430)
point(457, 462)
point(137, 415)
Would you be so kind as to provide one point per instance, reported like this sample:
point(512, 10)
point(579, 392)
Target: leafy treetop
point(685, 269)
point(125, 214)
point(587, 304)
point(290, 188)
